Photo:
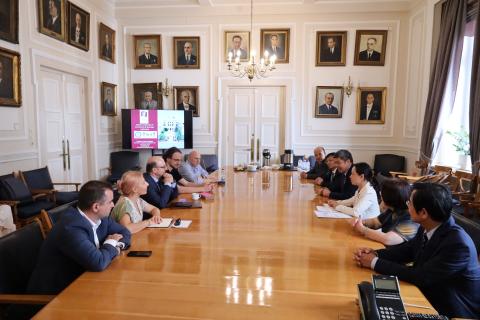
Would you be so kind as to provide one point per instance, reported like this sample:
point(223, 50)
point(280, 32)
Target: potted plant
point(461, 145)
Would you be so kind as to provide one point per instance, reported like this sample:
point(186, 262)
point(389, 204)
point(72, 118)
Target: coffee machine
point(266, 157)
point(288, 160)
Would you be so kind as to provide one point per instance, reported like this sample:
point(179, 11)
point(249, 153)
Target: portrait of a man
point(148, 102)
point(147, 96)
point(186, 52)
point(371, 105)
point(275, 42)
point(109, 98)
point(238, 44)
point(186, 99)
point(9, 20)
point(10, 94)
point(106, 37)
point(331, 48)
point(370, 46)
point(78, 27)
point(6, 83)
point(51, 13)
point(329, 102)
point(147, 52)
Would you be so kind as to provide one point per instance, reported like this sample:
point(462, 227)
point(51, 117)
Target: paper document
point(164, 224)
point(184, 224)
point(328, 212)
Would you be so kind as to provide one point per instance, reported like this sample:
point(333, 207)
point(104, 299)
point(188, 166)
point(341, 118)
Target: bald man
point(191, 169)
point(320, 168)
point(161, 186)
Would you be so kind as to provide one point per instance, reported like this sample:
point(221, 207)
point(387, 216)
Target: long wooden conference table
point(256, 251)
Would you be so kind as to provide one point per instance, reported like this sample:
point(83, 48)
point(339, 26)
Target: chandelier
point(252, 69)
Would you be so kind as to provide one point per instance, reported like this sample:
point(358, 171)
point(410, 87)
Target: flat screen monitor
point(156, 129)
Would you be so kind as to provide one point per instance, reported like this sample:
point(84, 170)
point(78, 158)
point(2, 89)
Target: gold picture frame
point(52, 18)
point(10, 73)
point(280, 38)
point(108, 101)
point(235, 41)
point(331, 48)
point(9, 20)
point(372, 96)
point(78, 19)
point(147, 51)
point(376, 40)
point(191, 44)
point(328, 102)
point(146, 101)
point(192, 101)
point(106, 43)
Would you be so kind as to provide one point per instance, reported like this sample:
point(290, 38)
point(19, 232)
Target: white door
point(255, 123)
point(62, 125)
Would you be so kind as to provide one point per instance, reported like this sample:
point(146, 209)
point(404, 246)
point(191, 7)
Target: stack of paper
point(326, 211)
point(164, 224)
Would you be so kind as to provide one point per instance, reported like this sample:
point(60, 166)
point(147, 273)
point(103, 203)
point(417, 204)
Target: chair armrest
point(397, 173)
point(76, 184)
point(11, 203)
point(42, 191)
point(25, 298)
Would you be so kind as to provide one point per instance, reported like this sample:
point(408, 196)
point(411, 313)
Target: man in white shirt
point(192, 171)
point(185, 104)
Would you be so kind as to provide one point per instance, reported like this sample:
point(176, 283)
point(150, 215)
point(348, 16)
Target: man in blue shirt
point(192, 171)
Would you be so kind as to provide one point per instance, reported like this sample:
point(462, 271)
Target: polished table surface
point(256, 251)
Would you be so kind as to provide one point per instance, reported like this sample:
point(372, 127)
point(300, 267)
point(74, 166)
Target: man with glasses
point(161, 186)
point(445, 262)
point(187, 58)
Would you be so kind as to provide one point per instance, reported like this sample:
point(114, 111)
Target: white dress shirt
point(364, 203)
point(369, 108)
point(95, 226)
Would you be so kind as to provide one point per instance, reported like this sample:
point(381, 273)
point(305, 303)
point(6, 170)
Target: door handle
point(63, 154)
point(68, 153)
point(258, 149)
point(252, 144)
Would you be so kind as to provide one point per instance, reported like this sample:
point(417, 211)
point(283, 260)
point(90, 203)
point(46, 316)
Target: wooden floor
point(254, 252)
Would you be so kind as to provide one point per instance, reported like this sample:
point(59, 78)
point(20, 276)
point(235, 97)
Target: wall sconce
point(349, 87)
point(166, 89)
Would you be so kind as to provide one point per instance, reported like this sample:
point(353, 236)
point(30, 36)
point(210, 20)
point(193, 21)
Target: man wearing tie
point(187, 58)
point(328, 107)
point(107, 48)
point(370, 54)
point(371, 110)
point(441, 260)
point(161, 186)
point(274, 48)
point(76, 33)
point(185, 104)
point(147, 57)
point(53, 22)
point(332, 52)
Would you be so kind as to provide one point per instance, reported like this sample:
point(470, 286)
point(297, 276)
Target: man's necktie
point(424, 240)
point(369, 55)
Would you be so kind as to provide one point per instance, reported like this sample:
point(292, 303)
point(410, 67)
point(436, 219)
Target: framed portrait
point(106, 43)
point(186, 52)
point(186, 98)
point(10, 84)
point(78, 27)
point(276, 42)
point(148, 51)
point(331, 48)
point(108, 99)
point(51, 17)
point(148, 96)
point(238, 43)
point(328, 102)
point(371, 105)
point(370, 47)
point(9, 20)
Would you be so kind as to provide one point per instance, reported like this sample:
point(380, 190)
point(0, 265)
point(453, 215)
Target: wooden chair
point(442, 169)
point(19, 252)
point(471, 200)
point(48, 218)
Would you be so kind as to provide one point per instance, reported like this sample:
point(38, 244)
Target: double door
point(256, 122)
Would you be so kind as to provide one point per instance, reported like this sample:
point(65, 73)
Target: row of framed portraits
point(148, 96)
point(370, 106)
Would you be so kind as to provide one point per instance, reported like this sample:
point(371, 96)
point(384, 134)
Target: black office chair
point(39, 181)
point(19, 252)
point(121, 162)
point(209, 162)
point(384, 163)
point(471, 227)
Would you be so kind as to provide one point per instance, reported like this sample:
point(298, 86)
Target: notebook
point(326, 211)
point(166, 222)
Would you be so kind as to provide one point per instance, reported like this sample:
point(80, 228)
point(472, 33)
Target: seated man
point(161, 186)
point(173, 160)
point(445, 262)
point(320, 168)
point(192, 171)
point(340, 188)
point(84, 239)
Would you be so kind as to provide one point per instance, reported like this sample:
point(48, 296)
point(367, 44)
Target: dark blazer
point(328, 56)
point(54, 26)
point(158, 194)
point(318, 170)
point(363, 56)
point(280, 53)
point(108, 106)
point(81, 38)
point(375, 113)
point(107, 51)
point(182, 60)
point(69, 250)
point(328, 178)
point(152, 59)
point(191, 107)
point(324, 110)
point(446, 269)
point(6, 89)
point(341, 187)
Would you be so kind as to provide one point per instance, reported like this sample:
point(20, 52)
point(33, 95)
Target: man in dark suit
point(147, 57)
point(445, 262)
point(274, 48)
point(320, 168)
point(332, 53)
point(161, 186)
point(370, 54)
point(237, 47)
point(76, 33)
point(185, 104)
point(107, 48)
point(84, 239)
point(328, 107)
point(6, 86)
point(341, 187)
point(53, 22)
point(371, 110)
point(187, 58)
point(108, 105)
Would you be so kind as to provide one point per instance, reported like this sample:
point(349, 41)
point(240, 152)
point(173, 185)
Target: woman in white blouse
point(365, 201)
point(128, 210)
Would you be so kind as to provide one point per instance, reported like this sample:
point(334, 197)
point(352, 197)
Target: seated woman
point(130, 207)
point(320, 168)
point(340, 187)
point(365, 202)
point(394, 225)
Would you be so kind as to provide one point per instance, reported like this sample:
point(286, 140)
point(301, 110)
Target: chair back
point(471, 227)
point(442, 169)
point(56, 214)
point(15, 189)
point(465, 180)
point(209, 162)
point(18, 252)
point(37, 178)
point(384, 163)
point(121, 162)
point(312, 161)
point(3, 192)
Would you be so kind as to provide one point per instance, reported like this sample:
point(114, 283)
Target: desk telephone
point(381, 300)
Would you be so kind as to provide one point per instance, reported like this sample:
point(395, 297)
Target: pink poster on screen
point(144, 129)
